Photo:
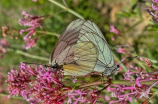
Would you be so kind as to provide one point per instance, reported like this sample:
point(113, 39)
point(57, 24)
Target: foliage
point(134, 23)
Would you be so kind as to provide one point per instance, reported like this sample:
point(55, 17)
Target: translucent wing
point(78, 59)
point(91, 32)
point(79, 31)
point(105, 58)
point(68, 37)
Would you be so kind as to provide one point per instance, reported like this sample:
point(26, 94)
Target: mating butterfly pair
point(82, 49)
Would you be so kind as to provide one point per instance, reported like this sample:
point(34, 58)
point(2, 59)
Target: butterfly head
point(109, 71)
point(54, 66)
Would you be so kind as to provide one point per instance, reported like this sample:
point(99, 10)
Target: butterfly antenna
point(35, 64)
point(31, 63)
point(130, 59)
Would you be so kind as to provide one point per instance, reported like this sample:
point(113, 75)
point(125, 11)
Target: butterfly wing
point(105, 58)
point(90, 32)
point(78, 59)
point(68, 37)
point(79, 31)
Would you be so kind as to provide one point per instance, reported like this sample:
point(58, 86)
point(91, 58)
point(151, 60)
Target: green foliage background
point(128, 16)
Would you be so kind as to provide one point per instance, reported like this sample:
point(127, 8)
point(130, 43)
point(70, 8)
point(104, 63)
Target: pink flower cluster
point(3, 47)
point(36, 85)
point(154, 12)
point(33, 22)
point(137, 87)
point(44, 85)
point(11, 32)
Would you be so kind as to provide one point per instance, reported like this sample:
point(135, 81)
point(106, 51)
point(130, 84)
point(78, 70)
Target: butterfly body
point(82, 49)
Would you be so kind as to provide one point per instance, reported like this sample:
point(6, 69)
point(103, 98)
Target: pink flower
point(8, 31)
point(30, 43)
point(147, 61)
point(46, 86)
point(125, 93)
point(83, 96)
point(33, 22)
point(3, 47)
point(107, 97)
point(122, 50)
point(4, 30)
point(114, 30)
point(154, 1)
point(138, 82)
point(154, 12)
point(154, 7)
point(3, 42)
point(17, 82)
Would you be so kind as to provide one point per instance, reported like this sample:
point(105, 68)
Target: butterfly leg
point(109, 83)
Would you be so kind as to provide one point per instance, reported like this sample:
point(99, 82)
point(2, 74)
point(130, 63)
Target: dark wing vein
point(76, 30)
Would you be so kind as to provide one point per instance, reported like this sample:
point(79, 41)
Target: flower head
point(33, 22)
point(30, 42)
point(115, 31)
point(135, 88)
point(154, 1)
point(122, 50)
point(8, 31)
point(147, 61)
point(4, 30)
point(3, 47)
point(17, 82)
point(153, 11)
point(45, 87)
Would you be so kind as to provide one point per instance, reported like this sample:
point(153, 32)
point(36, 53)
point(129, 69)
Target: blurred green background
point(128, 16)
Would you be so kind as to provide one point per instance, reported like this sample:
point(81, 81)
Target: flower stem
point(91, 84)
point(49, 33)
point(123, 82)
point(67, 9)
point(15, 97)
point(32, 56)
point(136, 24)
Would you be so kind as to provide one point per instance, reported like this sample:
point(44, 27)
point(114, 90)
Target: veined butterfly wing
point(78, 59)
point(68, 37)
point(85, 55)
point(105, 62)
point(81, 31)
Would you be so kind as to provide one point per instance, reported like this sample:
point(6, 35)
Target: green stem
point(67, 9)
point(31, 56)
point(123, 82)
point(132, 82)
point(137, 23)
point(48, 33)
point(15, 97)
point(139, 11)
point(118, 60)
point(153, 89)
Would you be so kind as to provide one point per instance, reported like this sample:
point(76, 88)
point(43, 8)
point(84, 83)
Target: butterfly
point(82, 49)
